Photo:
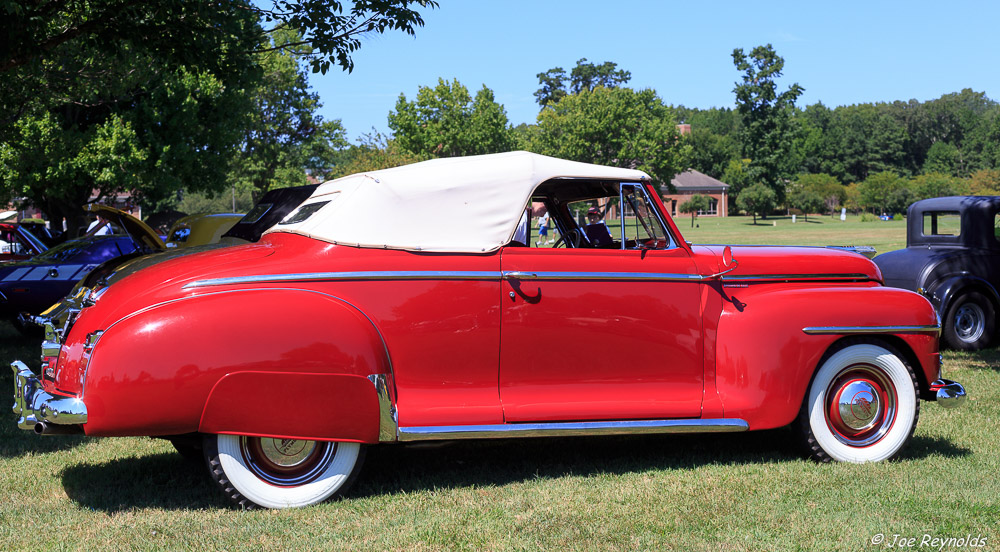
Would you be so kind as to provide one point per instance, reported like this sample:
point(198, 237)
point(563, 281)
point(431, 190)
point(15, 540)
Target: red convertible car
point(407, 305)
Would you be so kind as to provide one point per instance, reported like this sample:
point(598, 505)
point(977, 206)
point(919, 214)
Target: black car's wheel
point(862, 405)
point(281, 473)
point(969, 322)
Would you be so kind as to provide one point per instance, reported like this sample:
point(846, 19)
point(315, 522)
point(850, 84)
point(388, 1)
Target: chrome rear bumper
point(947, 393)
point(38, 409)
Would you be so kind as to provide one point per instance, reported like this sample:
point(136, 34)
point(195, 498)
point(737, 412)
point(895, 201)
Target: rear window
point(942, 223)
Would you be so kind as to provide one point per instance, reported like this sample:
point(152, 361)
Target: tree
point(375, 152)
point(696, 203)
point(931, 185)
point(553, 87)
point(807, 201)
point(766, 136)
point(758, 199)
point(985, 182)
point(585, 76)
point(618, 127)
point(877, 191)
point(737, 175)
point(445, 121)
point(284, 134)
point(830, 191)
point(148, 97)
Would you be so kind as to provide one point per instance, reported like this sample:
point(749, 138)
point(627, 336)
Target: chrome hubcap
point(860, 405)
point(286, 462)
point(970, 322)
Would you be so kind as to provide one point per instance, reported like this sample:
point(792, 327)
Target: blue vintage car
point(33, 285)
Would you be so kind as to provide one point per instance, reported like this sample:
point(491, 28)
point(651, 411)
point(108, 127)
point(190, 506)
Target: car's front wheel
point(281, 473)
point(862, 405)
point(969, 323)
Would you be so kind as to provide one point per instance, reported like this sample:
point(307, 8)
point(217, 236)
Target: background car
point(405, 305)
point(18, 243)
point(952, 257)
point(33, 285)
point(200, 229)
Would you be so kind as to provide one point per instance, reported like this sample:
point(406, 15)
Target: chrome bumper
point(947, 393)
point(38, 409)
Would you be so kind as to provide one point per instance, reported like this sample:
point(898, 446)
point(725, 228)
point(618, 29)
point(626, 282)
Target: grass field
point(884, 236)
point(748, 491)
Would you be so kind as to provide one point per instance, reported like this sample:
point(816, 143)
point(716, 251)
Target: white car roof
point(459, 204)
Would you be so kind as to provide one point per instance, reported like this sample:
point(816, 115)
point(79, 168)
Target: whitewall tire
point(281, 473)
point(862, 405)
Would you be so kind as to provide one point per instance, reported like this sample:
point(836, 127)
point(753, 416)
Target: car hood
point(135, 227)
point(787, 262)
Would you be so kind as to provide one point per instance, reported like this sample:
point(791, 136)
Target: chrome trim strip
point(784, 277)
point(618, 276)
point(386, 412)
point(836, 330)
point(508, 275)
point(363, 275)
point(628, 427)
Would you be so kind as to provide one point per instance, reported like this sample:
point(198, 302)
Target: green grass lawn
point(750, 491)
point(884, 236)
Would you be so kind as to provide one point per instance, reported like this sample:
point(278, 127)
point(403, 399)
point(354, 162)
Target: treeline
point(880, 157)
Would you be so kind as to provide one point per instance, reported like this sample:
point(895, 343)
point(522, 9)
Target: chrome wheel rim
point(860, 405)
point(286, 462)
point(970, 322)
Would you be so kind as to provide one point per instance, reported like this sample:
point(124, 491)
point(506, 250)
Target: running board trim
point(561, 429)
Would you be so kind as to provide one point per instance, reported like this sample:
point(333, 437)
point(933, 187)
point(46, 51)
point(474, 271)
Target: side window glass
point(642, 228)
point(942, 223)
point(596, 219)
point(996, 226)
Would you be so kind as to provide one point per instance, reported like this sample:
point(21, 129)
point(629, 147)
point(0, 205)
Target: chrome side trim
point(508, 275)
point(386, 412)
point(617, 276)
point(837, 330)
point(796, 277)
point(364, 275)
point(556, 429)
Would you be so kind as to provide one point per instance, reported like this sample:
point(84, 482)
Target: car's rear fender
point(771, 339)
point(942, 295)
point(274, 362)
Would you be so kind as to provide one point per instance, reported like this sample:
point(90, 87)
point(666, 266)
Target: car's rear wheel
point(969, 323)
point(862, 405)
point(281, 473)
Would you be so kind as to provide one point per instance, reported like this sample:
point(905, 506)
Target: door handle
point(520, 275)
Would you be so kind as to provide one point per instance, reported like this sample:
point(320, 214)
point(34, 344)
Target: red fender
point(278, 362)
point(765, 362)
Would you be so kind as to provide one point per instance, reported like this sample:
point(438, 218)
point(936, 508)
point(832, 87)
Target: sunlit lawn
point(817, 230)
point(747, 491)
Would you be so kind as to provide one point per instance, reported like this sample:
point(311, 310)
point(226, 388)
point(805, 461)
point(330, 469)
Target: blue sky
point(842, 52)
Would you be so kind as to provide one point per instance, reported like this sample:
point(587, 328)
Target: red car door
point(598, 334)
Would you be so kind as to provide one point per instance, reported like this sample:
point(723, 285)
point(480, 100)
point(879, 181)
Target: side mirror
point(727, 258)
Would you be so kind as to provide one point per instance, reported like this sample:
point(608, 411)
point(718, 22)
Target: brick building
point(691, 182)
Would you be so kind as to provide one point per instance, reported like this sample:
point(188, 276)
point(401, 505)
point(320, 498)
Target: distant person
point(597, 231)
point(100, 227)
point(543, 229)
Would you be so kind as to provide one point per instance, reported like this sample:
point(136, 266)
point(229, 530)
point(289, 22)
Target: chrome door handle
point(520, 275)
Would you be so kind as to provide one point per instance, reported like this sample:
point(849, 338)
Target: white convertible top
point(458, 204)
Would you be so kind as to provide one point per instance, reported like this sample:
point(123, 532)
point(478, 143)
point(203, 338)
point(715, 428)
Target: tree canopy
point(619, 127)
point(766, 136)
point(584, 77)
point(446, 121)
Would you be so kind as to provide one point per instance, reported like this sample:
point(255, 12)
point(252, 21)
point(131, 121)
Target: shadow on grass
point(15, 442)
point(169, 482)
point(988, 357)
point(166, 481)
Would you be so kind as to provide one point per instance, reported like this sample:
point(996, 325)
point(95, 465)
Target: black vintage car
point(952, 257)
